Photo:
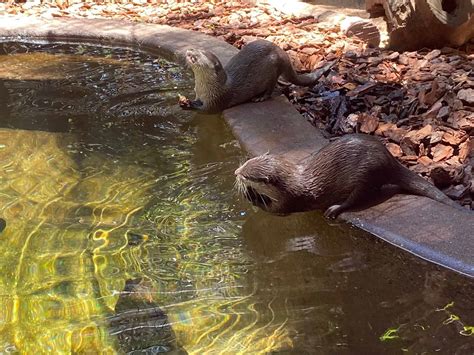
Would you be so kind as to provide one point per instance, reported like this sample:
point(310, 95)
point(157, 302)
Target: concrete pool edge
point(421, 226)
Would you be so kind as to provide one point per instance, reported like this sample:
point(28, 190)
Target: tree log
point(414, 24)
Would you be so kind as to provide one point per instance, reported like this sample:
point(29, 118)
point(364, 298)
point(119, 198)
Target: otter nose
point(238, 171)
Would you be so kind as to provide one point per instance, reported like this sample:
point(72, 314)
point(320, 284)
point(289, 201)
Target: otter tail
point(308, 79)
point(415, 184)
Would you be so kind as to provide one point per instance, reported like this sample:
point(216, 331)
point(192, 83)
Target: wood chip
point(368, 123)
point(455, 138)
point(394, 149)
point(466, 95)
point(424, 160)
point(441, 152)
point(464, 151)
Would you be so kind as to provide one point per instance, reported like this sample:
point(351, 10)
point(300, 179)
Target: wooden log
point(365, 30)
point(426, 23)
point(375, 8)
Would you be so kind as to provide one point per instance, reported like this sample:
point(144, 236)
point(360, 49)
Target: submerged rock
point(140, 325)
point(3, 224)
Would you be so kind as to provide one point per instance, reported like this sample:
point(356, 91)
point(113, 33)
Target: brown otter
point(334, 179)
point(250, 75)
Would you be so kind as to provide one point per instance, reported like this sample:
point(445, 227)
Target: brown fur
point(334, 179)
point(250, 75)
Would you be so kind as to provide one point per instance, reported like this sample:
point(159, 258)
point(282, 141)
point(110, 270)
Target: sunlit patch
point(100, 184)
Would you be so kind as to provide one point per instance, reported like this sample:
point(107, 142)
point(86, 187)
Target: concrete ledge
point(419, 225)
point(167, 41)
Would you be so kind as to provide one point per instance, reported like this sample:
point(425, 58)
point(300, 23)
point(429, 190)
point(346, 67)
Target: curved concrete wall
point(432, 231)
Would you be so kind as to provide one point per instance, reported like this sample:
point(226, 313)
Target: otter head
point(209, 78)
point(270, 182)
point(205, 64)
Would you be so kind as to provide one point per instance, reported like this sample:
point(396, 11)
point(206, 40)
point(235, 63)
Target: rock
point(139, 317)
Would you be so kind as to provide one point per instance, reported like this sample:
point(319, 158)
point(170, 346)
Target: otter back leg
point(267, 93)
point(263, 97)
point(353, 199)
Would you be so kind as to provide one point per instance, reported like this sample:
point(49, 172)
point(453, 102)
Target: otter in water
point(250, 75)
point(335, 179)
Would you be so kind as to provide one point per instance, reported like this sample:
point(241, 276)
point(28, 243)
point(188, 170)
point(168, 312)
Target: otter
point(250, 75)
point(335, 179)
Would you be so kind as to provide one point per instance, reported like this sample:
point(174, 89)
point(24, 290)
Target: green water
point(105, 180)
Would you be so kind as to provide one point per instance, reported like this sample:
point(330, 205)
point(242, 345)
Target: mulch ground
point(421, 103)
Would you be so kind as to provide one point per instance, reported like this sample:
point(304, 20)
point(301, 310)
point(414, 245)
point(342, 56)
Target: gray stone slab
point(419, 225)
point(273, 126)
point(164, 40)
point(426, 228)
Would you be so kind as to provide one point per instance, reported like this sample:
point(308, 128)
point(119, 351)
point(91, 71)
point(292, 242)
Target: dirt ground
point(421, 103)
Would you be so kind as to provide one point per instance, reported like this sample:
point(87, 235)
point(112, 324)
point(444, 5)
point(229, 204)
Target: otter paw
point(184, 102)
point(333, 211)
point(261, 98)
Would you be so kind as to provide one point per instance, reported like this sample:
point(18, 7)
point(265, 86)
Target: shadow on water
point(344, 292)
point(123, 231)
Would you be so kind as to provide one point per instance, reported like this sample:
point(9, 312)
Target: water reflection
point(106, 180)
point(343, 291)
point(117, 202)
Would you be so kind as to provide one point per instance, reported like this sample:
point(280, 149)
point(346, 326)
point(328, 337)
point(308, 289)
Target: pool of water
point(124, 231)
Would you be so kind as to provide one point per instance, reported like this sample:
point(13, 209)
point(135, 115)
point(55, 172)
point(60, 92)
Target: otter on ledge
point(335, 179)
point(250, 75)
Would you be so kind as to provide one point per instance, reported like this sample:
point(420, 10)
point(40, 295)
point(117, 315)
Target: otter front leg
point(353, 199)
point(187, 104)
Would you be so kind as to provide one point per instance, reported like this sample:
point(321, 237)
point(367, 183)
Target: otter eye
point(263, 179)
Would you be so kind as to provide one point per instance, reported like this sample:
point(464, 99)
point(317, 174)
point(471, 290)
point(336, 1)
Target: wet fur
point(250, 75)
point(335, 179)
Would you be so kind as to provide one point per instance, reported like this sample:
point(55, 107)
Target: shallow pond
point(124, 231)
